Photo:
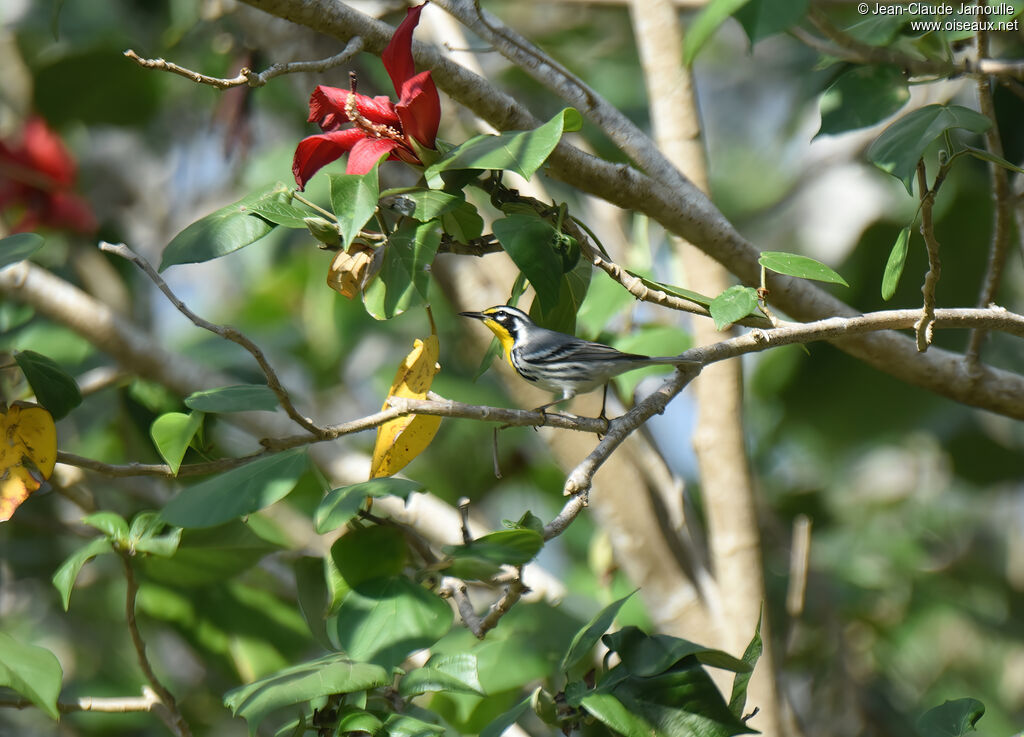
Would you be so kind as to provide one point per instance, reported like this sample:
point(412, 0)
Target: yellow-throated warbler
point(560, 363)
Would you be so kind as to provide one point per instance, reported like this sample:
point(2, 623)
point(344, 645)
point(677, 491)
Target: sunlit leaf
point(237, 492)
point(54, 388)
point(238, 398)
point(529, 241)
point(110, 524)
point(225, 230)
point(34, 672)
point(804, 267)
point(457, 673)
point(615, 715)
point(281, 212)
point(952, 719)
point(402, 439)
point(508, 547)
point(894, 266)
point(172, 433)
point(28, 452)
point(733, 305)
point(740, 682)
point(354, 200)
point(18, 247)
point(706, 23)
point(340, 505)
point(404, 273)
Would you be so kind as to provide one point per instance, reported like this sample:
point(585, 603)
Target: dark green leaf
point(311, 585)
point(952, 719)
point(508, 547)
point(452, 673)
point(110, 524)
point(804, 267)
point(331, 674)
point(403, 725)
point(498, 726)
point(64, 578)
point(572, 290)
point(861, 97)
point(354, 719)
point(210, 555)
point(340, 505)
point(894, 266)
point(404, 274)
point(732, 305)
point(281, 212)
point(616, 716)
point(980, 153)
point(522, 152)
point(225, 230)
point(237, 492)
point(900, 146)
point(172, 433)
point(706, 23)
point(529, 241)
point(239, 398)
point(55, 389)
point(18, 247)
point(648, 655)
point(354, 200)
point(386, 619)
point(738, 699)
point(584, 640)
point(34, 672)
point(763, 18)
point(688, 295)
point(369, 552)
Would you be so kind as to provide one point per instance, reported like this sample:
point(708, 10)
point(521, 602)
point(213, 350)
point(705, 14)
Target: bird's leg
point(604, 402)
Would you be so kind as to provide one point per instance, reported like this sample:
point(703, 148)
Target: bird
point(558, 362)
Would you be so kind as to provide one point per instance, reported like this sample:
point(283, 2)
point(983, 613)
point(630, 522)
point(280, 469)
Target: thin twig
point(149, 701)
point(923, 327)
point(245, 75)
point(175, 721)
point(1002, 207)
point(224, 331)
point(156, 469)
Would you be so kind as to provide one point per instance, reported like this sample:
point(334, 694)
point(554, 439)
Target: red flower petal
point(398, 54)
point(327, 108)
point(419, 109)
point(43, 151)
point(315, 152)
point(367, 152)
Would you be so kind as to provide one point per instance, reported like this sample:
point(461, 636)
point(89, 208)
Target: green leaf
point(894, 266)
point(733, 305)
point(403, 725)
point(55, 389)
point(237, 492)
point(861, 97)
point(281, 212)
point(615, 715)
point(738, 698)
point(404, 274)
point(648, 655)
point(225, 230)
point(311, 586)
point(705, 24)
point(900, 146)
point(369, 552)
point(64, 578)
point(522, 152)
point(172, 433)
point(455, 673)
point(508, 547)
point(585, 639)
point(386, 619)
point(238, 398)
point(299, 684)
point(529, 241)
point(32, 671)
point(687, 294)
point(804, 267)
point(354, 719)
point(980, 153)
point(354, 200)
point(18, 247)
point(210, 555)
point(498, 726)
point(340, 505)
point(951, 719)
point(763, 18)
point(458, 218)
point(110, 524)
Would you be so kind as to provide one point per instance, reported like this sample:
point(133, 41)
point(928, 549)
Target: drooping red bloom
point(379, 126)
point(36, 178)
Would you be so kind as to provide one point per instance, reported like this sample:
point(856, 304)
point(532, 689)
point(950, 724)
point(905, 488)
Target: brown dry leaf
point(348, 270)
point(28, 441)
point(402, 439)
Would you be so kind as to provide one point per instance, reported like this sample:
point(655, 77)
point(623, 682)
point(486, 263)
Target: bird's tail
point(672, 361)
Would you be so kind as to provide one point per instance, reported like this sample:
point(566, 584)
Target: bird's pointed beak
point(474, 315)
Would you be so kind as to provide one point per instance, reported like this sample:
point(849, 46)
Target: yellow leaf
point(402, 439)
point(28, 440)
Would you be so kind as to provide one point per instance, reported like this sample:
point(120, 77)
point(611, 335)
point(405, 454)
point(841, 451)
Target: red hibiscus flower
point(379, 126)
point(36, 177)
